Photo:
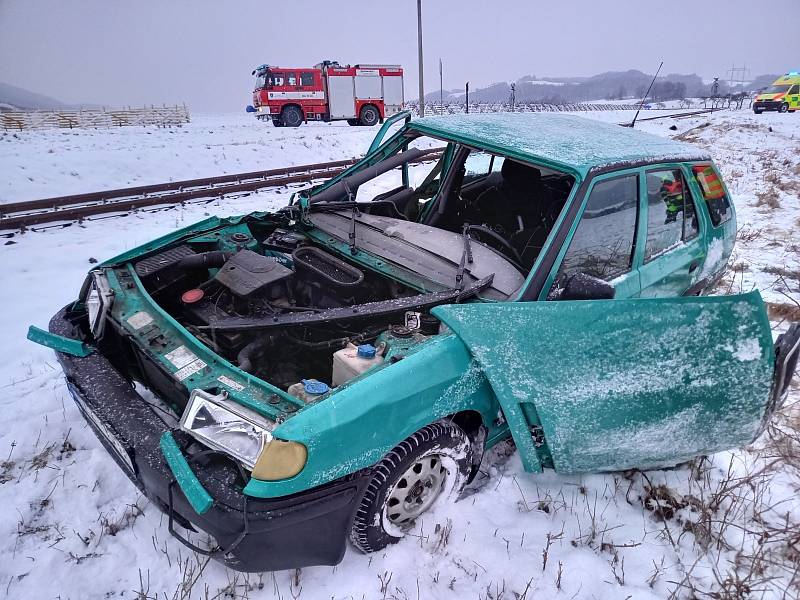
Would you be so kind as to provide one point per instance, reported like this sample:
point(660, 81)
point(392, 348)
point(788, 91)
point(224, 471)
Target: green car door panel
point(361, 422)
point(610, 380)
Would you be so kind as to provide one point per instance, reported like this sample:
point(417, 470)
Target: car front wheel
point(784, 107)
point(431, 465)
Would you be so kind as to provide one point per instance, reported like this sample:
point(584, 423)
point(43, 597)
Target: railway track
point(23, 215)
point(65, 209)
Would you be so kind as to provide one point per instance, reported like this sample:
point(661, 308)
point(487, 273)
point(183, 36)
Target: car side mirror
point(581, 286)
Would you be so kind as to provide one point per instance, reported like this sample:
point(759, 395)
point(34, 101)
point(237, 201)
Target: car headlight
point(97, 302)
point(226, 426)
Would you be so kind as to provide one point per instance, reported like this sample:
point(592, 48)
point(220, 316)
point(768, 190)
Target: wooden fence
point(101, 118)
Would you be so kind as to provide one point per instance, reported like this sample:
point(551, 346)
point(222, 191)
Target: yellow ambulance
point(783, 95)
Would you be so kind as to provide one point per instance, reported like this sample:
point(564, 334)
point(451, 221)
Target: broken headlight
point(98, 300)
point(226, 426)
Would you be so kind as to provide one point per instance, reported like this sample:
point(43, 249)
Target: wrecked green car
point(331, 369)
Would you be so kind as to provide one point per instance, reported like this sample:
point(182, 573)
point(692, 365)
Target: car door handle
point(693, 265)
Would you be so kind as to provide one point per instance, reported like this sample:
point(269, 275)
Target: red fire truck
point(360, 94)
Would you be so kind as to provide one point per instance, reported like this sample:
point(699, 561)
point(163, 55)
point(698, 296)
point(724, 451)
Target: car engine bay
point(275, 303)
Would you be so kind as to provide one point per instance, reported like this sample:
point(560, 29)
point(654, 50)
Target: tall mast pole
point(419, 51)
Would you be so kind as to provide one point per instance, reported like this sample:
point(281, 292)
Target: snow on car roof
point(565, 141)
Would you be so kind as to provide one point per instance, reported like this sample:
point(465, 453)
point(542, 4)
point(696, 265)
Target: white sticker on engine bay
point(181, 356)
point(190, 369)
point(234, 385)
point(139, 320)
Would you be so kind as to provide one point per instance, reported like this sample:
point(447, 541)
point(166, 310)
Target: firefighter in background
point(672, 195)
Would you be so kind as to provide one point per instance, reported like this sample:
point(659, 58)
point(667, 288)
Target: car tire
point(432, 464)
point(277, 122)
point(757, 111)
point(352, 122)
point(292, 116)
point(369, 116)
point(784, 108)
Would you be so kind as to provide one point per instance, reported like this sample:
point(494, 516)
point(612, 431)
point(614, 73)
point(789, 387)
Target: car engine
point(284, 309)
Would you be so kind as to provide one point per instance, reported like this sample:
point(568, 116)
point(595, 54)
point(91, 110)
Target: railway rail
point(23, 215)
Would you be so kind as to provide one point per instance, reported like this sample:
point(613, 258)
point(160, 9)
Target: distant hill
point(761, 81)
point(13, 97)
point(612, 85)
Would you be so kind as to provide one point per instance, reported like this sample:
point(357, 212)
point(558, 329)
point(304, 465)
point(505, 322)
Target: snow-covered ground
point(72, 525)
point(44, 163)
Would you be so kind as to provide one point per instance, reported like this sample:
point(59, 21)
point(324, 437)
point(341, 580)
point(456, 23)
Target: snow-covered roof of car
point(564, 141)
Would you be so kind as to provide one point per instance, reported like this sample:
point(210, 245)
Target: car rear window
point(710, 184)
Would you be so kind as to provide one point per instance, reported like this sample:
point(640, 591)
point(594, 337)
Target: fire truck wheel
point(277, 122)
point(292, 117)
point(369, 116)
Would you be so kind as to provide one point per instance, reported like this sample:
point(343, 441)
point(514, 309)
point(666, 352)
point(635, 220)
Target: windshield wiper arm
point(466, 257)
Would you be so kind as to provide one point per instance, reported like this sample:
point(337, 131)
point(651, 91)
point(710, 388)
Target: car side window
point(603, 243)
point(710, 184)
point(671, 216)
point(480, 164)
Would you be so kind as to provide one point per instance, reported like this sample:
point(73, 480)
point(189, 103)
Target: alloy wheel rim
point(416, 490)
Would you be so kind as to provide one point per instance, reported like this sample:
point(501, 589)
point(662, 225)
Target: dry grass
point(779, 311)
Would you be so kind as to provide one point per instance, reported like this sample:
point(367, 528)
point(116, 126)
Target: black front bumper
point(767, 104)
point(308, 528)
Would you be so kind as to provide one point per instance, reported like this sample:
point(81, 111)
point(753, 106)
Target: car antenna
point(646, 94)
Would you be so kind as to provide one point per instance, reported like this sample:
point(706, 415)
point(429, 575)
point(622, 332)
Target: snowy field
point(73, 526)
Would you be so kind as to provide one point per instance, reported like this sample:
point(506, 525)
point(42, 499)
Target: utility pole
point(441, 84)
point(467, 97)
point(419, 51)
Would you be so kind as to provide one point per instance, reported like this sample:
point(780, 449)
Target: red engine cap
point(192, 296)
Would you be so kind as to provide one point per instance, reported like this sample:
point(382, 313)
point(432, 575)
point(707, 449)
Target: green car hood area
point(619, 384)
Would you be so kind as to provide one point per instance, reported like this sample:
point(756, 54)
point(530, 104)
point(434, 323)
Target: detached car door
point(628, 383)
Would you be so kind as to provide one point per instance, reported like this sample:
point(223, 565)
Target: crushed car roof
point(565, 141)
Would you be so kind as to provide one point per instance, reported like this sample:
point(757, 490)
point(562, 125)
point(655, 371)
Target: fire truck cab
point(360, 94)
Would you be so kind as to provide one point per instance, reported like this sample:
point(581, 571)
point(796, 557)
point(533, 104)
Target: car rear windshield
point(710, 183)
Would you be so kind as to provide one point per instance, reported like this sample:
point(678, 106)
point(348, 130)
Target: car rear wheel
point(784, 107)
point(369, 116)
point(291, 116)
point(431, 465)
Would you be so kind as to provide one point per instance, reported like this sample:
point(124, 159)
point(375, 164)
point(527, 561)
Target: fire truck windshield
point(261, 81)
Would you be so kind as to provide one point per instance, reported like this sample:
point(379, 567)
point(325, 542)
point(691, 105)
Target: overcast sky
point(202, 51)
